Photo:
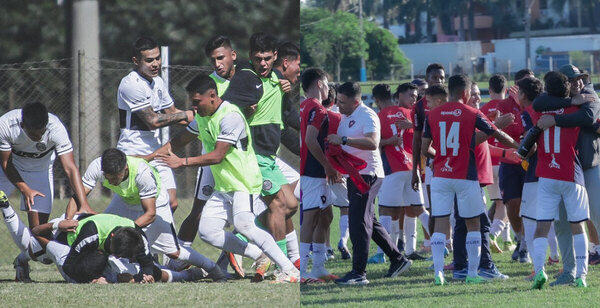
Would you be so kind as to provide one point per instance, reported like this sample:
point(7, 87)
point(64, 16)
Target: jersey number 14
point(449, 140)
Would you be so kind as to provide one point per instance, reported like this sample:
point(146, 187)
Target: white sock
point(344, 234)
point(427, 243)
point(438, 241)
point(506, 233)
point(424, 218)
point(553, 243)
point(410, 225)
point(386, 222)
point(395, 234)
point(497, 227)
point(540, 245)
point(193, 257)
point(17, 229)
point(473, 245)
point(184, 243)
point(304, 251)
point(581, 254)
point(292, 246)
point(591, 247)
point(319, 256)
point(529, 230)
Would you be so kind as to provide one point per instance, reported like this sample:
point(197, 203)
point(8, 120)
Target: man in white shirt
point(358, 133)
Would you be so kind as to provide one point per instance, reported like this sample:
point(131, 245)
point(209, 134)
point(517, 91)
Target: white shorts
point(315, 193)
point(166, 175)
point(574, 196)
point(160, 233)
point(224, 205)
point(42, 181)
point(205, 183)
point(396, 190)
point(290, 174)
point(494, 189)
point(529, 200)
point(468, 193)
point(340, 191)
point(428, 174)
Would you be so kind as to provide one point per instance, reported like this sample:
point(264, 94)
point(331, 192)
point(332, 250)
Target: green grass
point(415, 288)
point(50, 289)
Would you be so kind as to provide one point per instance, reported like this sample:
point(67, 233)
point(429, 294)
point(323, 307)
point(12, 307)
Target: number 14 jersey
point(451, 127)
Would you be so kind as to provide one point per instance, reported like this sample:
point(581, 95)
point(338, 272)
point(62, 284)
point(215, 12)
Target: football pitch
point(415, 288)
point(50, 290)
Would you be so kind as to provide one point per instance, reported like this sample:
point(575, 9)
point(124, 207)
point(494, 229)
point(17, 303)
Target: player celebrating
point(451, 128)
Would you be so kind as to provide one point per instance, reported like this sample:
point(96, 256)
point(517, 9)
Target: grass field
point(50, 290)
point(415, 288)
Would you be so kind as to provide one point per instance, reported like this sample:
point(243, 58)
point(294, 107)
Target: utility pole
point(363, 67)
point(528, 4)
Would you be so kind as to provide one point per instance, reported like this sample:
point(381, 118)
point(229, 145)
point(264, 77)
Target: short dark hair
point(201, 84)
point(419, 82)
point(433, 66)
point(382, 91)
point(531, 87)
point(127, 242)
point(287, 50)
point(331, 96)
point(350, 89)
point(458, 83)
point(497, 83)
point(310, 75)
point(34, 115)
point(557, 84)
point(406, 86)
point(437, 89)
point(143, 43)
point(522, 73)
point(113, 161)
point(215, 42)
point(262, 42)
point(89, 266)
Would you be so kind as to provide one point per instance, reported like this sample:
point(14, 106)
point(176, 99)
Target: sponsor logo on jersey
point(446, 167)
point(398, 115)
point(553, 163)
point(559, 111)
point(160, 94)
point(351, 123)
point(455, 112)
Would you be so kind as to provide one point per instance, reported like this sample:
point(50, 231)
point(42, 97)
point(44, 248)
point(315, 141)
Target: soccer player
point(358, 133)
point(560, 177)
point(227, 140)
point(145, 106)
point(30, 140)
point(450, 130)
point(258, 92)
point(140, 196)
point(396, 191)
point(317, 173)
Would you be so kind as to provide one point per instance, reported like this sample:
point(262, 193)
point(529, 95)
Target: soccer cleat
point(460, 274)
point(509, 246)
point(594, 258)
point(400, 245)
point(297, 264)
point(217, 275)
point(22, 271)
point(515, 254)
point(580, 282)
point(415, 256)
point(323, 274)
point(530, 277)
point(524, 257)
point(398, 267)
point(475, 280)
point(378, 258)
point(539, 280)
point(439, 280)
point(196, 273)
point(449, 266)
point(492, 273)
point(262, 265)
point(176, 265)
point(446, 252)
point(236, 264)
point(3, 200)
point(564, 278)
point(290, 276)
point(311, 280)
point(330, 255)
point(494, 245)
point(552, 261)
point(352, 278)
point(344, 251)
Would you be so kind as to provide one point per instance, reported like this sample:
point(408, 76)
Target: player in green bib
point(227, 142)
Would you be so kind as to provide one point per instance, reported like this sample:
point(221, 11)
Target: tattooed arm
point(156, 120)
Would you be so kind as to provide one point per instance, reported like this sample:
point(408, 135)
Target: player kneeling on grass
point(139, 196)
point(226, 138)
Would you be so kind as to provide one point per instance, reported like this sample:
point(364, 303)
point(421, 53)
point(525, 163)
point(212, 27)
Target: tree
point(383, 53)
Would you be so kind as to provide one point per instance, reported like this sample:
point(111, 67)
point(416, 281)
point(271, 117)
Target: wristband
point(55, 225)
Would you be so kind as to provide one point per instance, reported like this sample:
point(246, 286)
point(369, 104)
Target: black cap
point(572, 72)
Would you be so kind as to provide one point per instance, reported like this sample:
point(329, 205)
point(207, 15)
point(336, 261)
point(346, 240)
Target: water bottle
point(529, 141)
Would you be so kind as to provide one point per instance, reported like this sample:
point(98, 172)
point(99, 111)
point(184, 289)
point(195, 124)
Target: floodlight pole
point(528, 4)
point(363, 67)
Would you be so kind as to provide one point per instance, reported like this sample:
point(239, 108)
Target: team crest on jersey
point(40, 146)
point(455, 112)
point(553, 163)
point(160, 94)
point(267, 185)
point(446, 167)
point(207, 190)
point(323, 199)
point(351, 123)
